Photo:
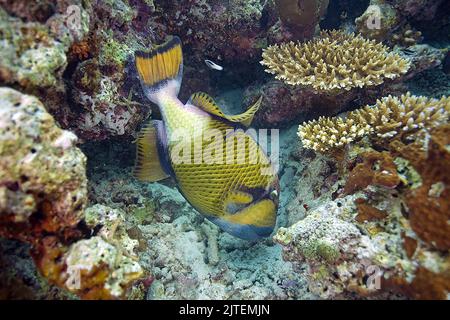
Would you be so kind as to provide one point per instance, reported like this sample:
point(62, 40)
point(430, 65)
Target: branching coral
point(391, 117)
point(336, 61)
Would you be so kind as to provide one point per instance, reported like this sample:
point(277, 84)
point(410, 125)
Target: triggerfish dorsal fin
point(149, 165)
point(206, 103)
point(160, 67)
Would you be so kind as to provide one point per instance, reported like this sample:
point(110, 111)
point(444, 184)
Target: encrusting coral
point(335, 61)
point(390, 117)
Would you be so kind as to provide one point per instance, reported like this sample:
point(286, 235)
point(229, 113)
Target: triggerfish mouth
point(218, 167)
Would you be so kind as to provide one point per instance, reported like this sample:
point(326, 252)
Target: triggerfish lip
point(242, 231)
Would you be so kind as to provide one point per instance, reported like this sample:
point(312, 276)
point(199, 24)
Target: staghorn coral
point(391, 117)
point(334, 62)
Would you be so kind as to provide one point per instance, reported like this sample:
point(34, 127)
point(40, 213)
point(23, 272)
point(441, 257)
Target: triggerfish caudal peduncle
point(240, 196)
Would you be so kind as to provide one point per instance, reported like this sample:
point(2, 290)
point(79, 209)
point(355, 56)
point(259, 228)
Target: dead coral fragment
point(91, 268)
point(335, 61)
point(377, 169)
point(391, 117)
point(429, 214)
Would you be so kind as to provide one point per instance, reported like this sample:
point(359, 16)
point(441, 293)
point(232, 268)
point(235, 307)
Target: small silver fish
point(213, 65)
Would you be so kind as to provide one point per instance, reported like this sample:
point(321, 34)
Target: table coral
point(335, 61)
point(391, 117)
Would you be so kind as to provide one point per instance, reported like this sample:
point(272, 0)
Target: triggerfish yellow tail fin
point(161, 69)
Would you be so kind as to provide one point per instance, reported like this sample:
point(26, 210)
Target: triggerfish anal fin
point(206, 103)
point(151, 163)
point(159, 66)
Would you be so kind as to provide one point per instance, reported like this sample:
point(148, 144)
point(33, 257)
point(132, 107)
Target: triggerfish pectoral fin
point(254, 222)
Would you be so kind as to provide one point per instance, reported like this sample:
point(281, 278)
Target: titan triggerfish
point(233, 184)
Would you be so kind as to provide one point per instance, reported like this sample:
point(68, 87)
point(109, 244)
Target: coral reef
point(334, 62)
point(391, 117)
point(378, 20)
point(77, 62)
point(382, 228)
point(43, 194)
point(368, 243)
point(104, 91)
point(388, 20)
point(34, 51)
point(41, 171)
point(364, 204)
point(201, 26)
